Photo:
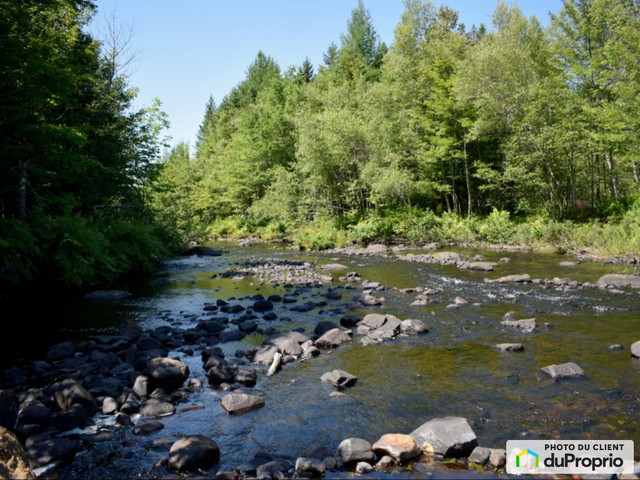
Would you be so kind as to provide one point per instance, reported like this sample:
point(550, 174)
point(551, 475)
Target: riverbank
point(428, 339)
point(618, 237)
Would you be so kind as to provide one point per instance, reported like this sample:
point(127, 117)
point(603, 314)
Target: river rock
point(618, 280)
point(221, 373)
point(130, 329)
point(156, 408)
point(42, 449)
point(369, 300)
point(60, 351)
point(563, 370)
point(8, 409)
point(479, 266)
point(448, 436)
point(527, 325)
point(519, 278)
point(354, 450)
point(195, 451)
point(13, 460)
point(332, 267)
point(69, 392)
point(373, 320)
point(265, 354)
point(413, 326)
point(246, 376)
point(141, 385)
point(323, 327)
point(73, 417)
point(339, 379)
point(287, 343)
point(398, 446)
point(212, 326)
point(333, 338)
point(262, 306)
point(273, 469)
point(310, 467)
point(480, 455)
point(34, 412)
point(167, 373)
point(511, 347)
point(147, 428)
point(498, 458)
point(362, 468)
point(241, 402)
point(109, 406)
point(635, 349)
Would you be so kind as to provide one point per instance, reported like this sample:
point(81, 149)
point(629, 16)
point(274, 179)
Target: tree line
point(75, 155)
point(518, 119)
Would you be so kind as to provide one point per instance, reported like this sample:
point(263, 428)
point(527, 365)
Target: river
point(455, 369)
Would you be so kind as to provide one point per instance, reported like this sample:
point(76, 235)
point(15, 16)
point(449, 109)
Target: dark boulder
point(147, 428)
point(73, 417)
point(60, 351)
point(42, 449)
point(69, 392)
point(156, 408)
point(196, 451)
point(203, 251)
point(167, 373)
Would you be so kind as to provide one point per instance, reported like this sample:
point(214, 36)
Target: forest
point(514, 133)
point(75, 156)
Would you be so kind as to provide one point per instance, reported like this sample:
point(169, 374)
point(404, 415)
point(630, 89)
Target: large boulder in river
point(167, 373)
point(203, 251)
point(635, 349)
point(241, 402)
point(563, 370)
point(196, 451)
point(13, 461)
point(618, 280)
point(69, 392)
point(448, 436)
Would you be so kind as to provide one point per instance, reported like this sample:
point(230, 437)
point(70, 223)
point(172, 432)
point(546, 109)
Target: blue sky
point(191, 49)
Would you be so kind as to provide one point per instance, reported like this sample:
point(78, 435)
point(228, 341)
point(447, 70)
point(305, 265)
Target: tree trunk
point(22, 190)
point(636, 178)
point(468, 179)
point(614, 177)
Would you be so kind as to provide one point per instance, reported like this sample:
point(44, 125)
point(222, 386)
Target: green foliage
point(75, 156)
point(320, 235)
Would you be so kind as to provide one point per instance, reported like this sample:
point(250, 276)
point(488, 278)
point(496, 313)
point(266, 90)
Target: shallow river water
point(455, 369)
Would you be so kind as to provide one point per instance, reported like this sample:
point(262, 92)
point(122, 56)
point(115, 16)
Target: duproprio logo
point(524, 452)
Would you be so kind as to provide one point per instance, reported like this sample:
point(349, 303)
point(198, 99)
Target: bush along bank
point(619, 236)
